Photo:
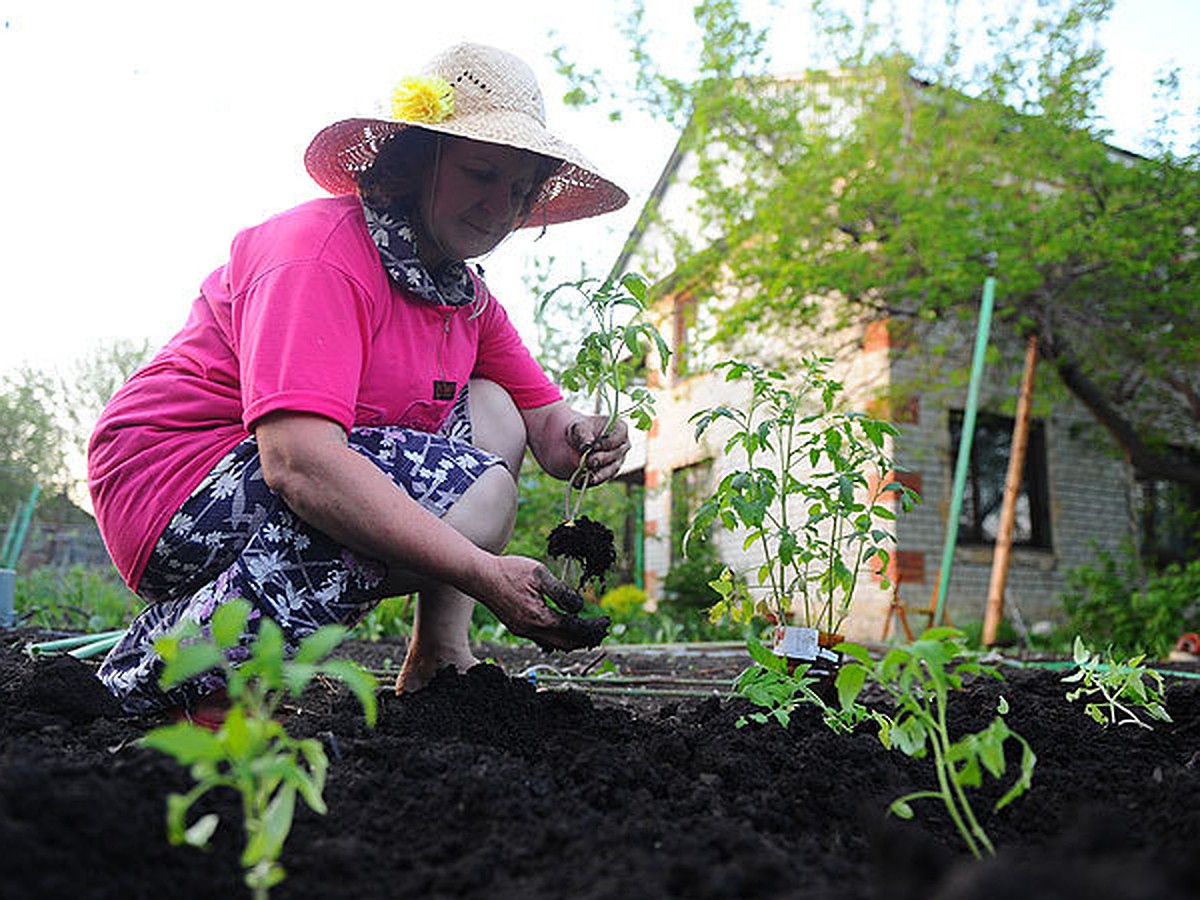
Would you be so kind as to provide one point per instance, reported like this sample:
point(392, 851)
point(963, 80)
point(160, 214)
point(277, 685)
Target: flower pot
point(802, 645)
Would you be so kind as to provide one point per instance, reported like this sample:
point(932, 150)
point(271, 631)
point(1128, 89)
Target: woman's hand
point(518, 599)
point(604, 451)
point(559, 436)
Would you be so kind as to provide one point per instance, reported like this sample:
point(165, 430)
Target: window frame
point(1035, 482)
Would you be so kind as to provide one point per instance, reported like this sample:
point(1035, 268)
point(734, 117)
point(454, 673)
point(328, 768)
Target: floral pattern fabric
point(450, 285)
point(234, 537)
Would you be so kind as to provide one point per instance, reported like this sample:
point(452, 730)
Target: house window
point(689, 486)
point(693, 335)
point(979, 521)
point(1170, 520)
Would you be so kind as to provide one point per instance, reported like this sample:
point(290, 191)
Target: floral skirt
point(234, 537)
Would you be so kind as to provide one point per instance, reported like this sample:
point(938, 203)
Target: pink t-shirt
point(302, 318)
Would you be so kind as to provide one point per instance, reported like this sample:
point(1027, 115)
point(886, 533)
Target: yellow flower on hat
point(429, 99)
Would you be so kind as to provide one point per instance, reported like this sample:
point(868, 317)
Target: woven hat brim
point(577, 190)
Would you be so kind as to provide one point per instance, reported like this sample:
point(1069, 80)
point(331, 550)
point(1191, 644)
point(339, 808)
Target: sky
point(139, 137)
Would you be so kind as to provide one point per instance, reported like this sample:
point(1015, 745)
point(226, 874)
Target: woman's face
point(475, 198)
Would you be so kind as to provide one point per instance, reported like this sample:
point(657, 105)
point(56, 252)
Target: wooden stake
point(1012, 489)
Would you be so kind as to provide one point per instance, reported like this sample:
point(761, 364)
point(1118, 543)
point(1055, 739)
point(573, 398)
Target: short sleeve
point(504, 358)
point(302, 336)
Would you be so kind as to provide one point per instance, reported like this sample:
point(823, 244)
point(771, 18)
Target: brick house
point(1078, 495)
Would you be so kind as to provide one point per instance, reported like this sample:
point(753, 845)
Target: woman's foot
point(207, 712)
point(421, 666)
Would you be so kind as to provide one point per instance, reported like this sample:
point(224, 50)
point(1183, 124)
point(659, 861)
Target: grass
point(76, 598)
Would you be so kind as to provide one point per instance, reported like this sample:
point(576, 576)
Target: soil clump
point(486, 785)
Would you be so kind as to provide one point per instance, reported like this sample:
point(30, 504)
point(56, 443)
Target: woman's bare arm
point(307, 461)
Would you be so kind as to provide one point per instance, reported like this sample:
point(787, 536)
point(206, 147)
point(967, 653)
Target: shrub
point(1117, 603)
point(391, 618)
point(78, 598)
point(623, 602)
point(686, 585)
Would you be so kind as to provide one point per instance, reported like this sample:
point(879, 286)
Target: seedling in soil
point(809, 496)
point(1118, 690)
point(919, 678)
point(606, 366)
point(251, 753)
point(769, 684)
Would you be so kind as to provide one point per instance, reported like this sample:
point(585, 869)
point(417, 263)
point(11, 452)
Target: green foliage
point(1056, 642)
point(769, 684)
point(623, 603)
point(44, 418)
point(688, 584)
point(1118, 603)
point(1120, 689)
point(670, 626)
point(919, 678)
point(391, 617)
point(611, 356)
point(539, 508)
point(252, 753)
point(33, 440)
point(808, 496)
point(78, 598)
point(890, 185)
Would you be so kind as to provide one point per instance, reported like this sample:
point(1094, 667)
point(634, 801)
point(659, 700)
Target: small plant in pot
point(809, 498)
point(606, 366)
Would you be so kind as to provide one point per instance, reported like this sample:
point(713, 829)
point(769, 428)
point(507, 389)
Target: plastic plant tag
point(796, 642)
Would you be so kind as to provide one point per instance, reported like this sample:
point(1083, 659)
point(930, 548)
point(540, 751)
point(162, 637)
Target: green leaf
point(268, 841)
point(236, 733)
point(201, 831)
point(900, 809)
point(186, 742)
point(187, 661)
point(361, 682)
point(849, 683)
point(229, 622)
point(909, 736)
point(320, 644)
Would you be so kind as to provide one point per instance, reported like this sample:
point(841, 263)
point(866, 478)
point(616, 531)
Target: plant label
point(795, 642)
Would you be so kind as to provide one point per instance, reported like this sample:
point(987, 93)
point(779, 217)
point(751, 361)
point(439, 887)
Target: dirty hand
point(605, 452)
point(518, 598)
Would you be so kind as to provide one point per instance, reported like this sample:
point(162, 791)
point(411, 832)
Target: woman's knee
point(496, 423)
point(487, 511)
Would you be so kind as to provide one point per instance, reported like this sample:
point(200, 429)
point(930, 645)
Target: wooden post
point(1008, 509)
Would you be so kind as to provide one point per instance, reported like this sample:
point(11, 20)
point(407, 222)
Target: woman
point(344, 414)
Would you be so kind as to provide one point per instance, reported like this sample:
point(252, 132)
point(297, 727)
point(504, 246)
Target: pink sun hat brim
point(496, 100)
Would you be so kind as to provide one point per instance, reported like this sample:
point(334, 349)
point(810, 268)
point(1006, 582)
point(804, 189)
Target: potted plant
point(809, 498)
point(606, 365)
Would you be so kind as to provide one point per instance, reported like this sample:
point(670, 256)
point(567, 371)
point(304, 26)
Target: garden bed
point(486, 786)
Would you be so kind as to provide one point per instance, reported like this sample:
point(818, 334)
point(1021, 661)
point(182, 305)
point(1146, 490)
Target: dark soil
point(485, 786)
point(589, 543)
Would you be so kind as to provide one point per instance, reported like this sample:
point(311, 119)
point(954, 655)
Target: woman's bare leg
point(485, 514)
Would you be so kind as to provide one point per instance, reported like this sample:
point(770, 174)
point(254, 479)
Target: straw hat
point(475, 92)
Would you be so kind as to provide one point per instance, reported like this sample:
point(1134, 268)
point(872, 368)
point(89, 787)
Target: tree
point(45, 421)
point(893, 184)
point(32, 440)
point(94, 378)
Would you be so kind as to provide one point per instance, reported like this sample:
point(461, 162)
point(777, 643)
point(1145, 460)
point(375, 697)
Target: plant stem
point(963, 802)
point(944, 783)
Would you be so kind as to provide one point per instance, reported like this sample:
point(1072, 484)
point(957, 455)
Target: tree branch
point(1146, 461)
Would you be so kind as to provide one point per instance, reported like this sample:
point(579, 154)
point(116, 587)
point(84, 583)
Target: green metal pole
point(10, 537)
point(14, 552)
point(964, 446)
